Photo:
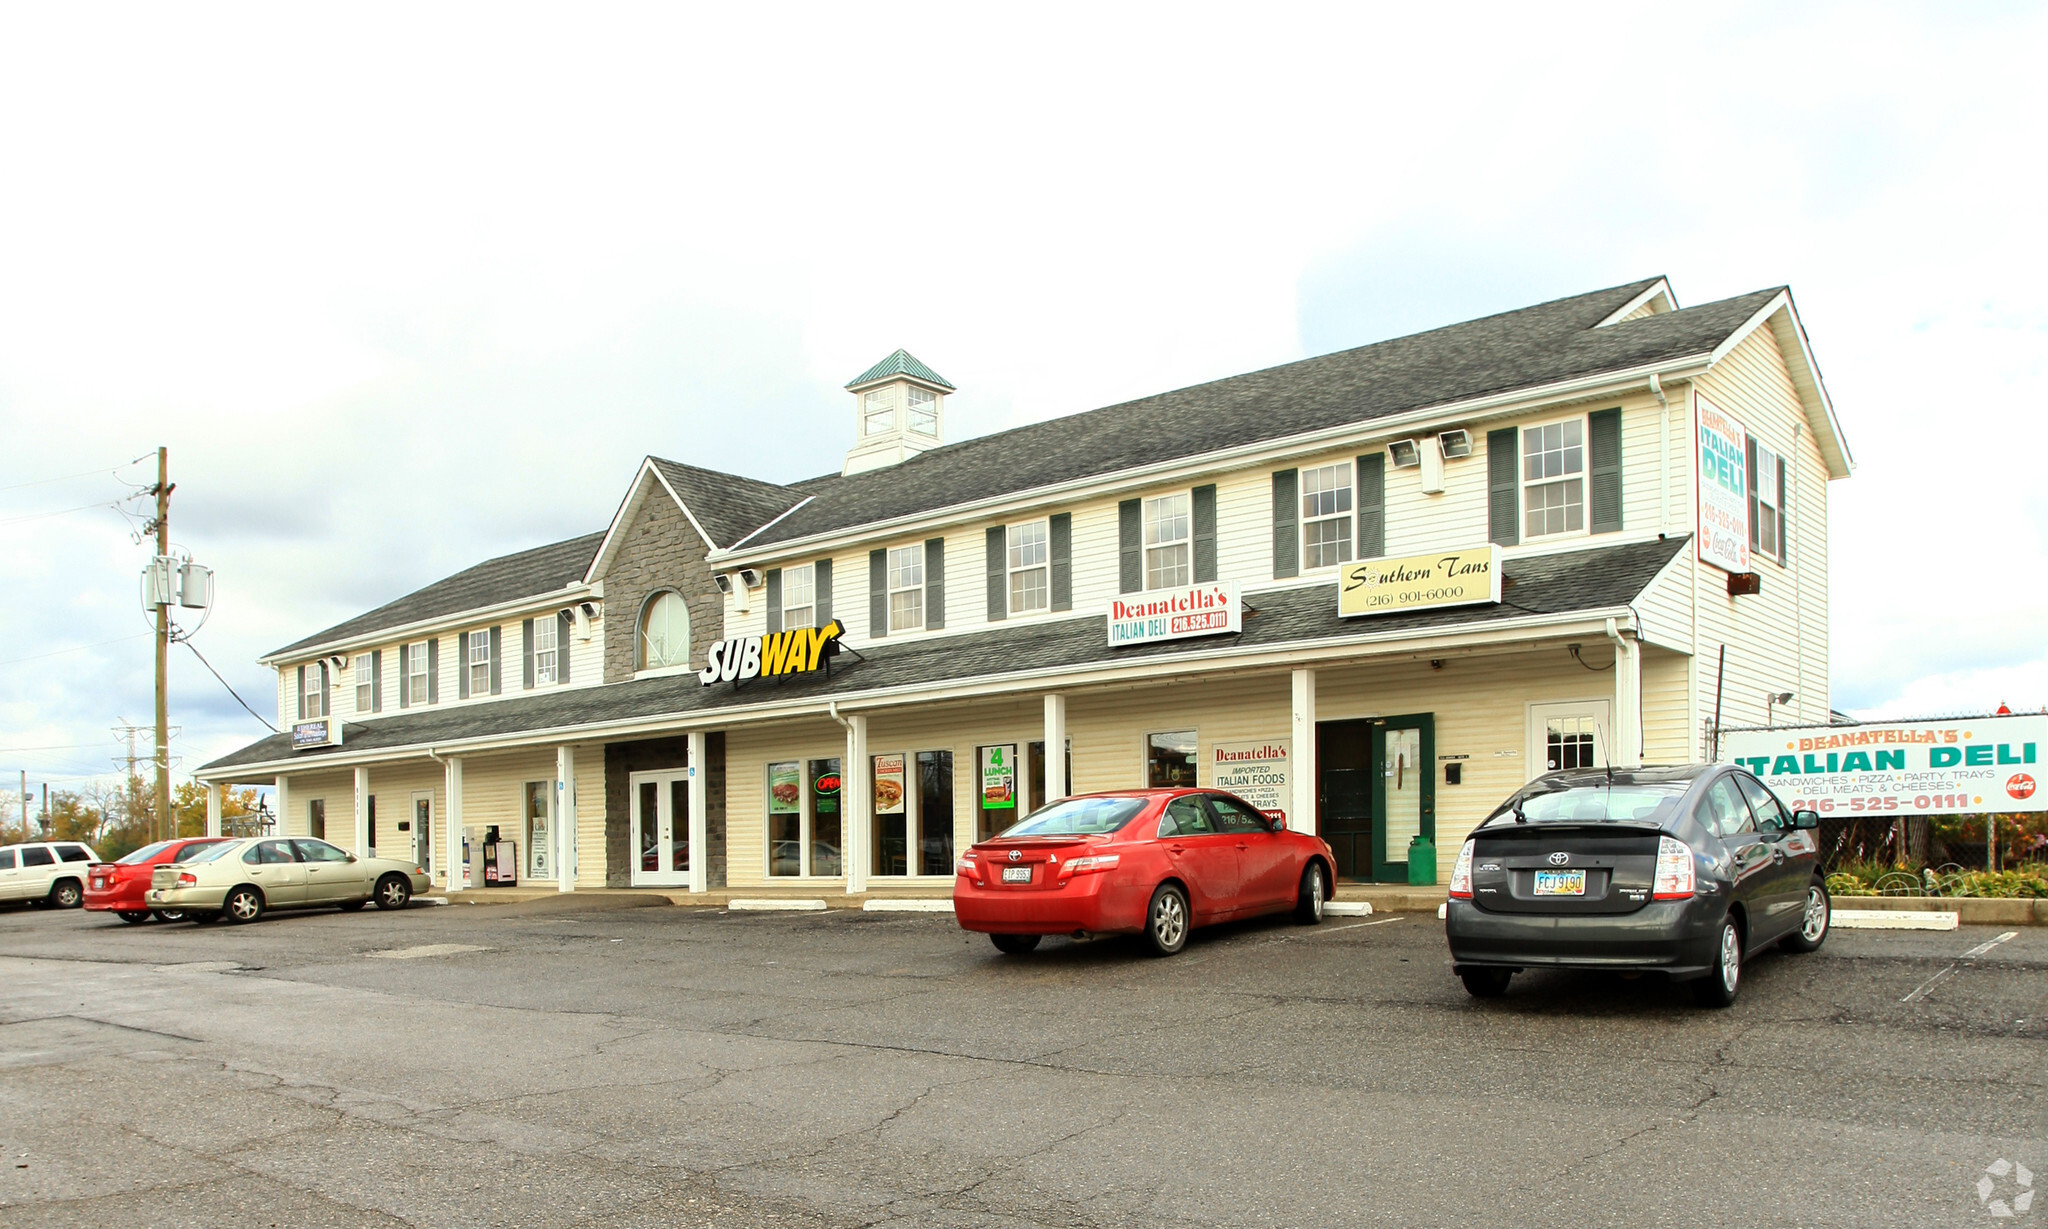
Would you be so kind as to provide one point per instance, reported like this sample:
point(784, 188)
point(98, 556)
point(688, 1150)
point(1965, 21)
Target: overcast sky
point(403, 288)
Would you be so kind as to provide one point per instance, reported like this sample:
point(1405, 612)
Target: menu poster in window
point(1254, 771)
point(999, 777)
point(785, 789)
point(1722, 448)
point(889, 785)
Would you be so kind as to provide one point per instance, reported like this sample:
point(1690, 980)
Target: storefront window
point(650, 826)
point(316, 818)
point(1038, 798)
point(1170, 760)
point(825, 813)
point(538, 795)
point(935, 812)
point(892, 817)
point(785, 819)
point(996, 788)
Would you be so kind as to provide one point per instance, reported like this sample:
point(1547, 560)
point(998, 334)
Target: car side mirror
point(351, 857)
point(1805, 821)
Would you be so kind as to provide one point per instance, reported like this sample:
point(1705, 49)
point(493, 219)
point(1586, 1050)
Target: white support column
point(364, 840)
point(1056, 783)
point(1301, 812)
point(453, 859)
point(1628, 686)
point(565, 819)
point(284, 805)
point(856, 801)
point(213, 791)
point(700, 836)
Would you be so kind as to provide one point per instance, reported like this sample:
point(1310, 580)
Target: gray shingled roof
point(1600, 578)
point(728, 506)
point(506, 578)
point(1534, 346)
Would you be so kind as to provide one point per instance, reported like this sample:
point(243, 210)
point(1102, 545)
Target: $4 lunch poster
point(999, 777)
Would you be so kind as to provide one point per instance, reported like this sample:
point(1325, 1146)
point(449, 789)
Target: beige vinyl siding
point(338, 791)
point(285, 700)
point(1665, 607)
point(393, 787)
point(1752, 384)
point(1669, 728)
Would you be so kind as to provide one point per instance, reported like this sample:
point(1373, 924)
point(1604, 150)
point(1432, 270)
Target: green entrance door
point(1404, 791)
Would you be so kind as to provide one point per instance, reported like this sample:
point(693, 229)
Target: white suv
point(52, 871)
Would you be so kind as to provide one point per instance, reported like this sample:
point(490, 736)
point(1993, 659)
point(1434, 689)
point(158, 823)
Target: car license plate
point(1560, 883)
point(98, 884)
point(1016, 874)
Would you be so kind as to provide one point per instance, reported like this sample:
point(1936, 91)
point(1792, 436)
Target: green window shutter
point(934, 583)
point(1603, 471)
point(565, 623)
point(376, 680)
point(434, 670)
point(302, 693)
point(878, 594)
point(404, 681)
point(1784, 513)
point(1749, 461)
point(1130, 546)
point(998, 571)
point(1203, 507)
point(821, 585)
point(1503, 496)
point(1286, 523)
point(462, 665)
point(774, 599)
point(526, 639)
point(1372, 505)
point(1060, 545)
point(497, 656)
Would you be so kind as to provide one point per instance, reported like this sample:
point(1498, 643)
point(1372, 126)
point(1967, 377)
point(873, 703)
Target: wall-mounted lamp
point(1457, 444)
point(1406, 454)
point(1773, 700)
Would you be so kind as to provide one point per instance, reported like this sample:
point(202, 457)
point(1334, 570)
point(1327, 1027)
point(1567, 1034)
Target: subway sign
point(1987, 765)
point(800, 650)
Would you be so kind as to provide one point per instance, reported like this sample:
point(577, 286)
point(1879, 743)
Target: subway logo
point(797, 651)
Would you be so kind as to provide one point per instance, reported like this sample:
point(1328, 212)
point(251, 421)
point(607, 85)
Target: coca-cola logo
point(2020, 785)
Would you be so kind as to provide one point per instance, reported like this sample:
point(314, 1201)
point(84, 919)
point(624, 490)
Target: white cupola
point(899, 410)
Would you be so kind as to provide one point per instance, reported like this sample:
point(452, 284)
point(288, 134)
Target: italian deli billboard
point(1981, 766)
point(1721, 447)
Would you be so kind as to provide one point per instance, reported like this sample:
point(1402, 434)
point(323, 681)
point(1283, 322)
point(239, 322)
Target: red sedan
point(118, 886)
point(1157, 861)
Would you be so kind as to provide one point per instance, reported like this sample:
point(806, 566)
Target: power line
point(231, 691)
point(41, 516)
point(111, 472)
point(76, 648)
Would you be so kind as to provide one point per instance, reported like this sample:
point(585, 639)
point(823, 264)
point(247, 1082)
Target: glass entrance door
point(661, 828)
point(423, 830)
point(1404, 791)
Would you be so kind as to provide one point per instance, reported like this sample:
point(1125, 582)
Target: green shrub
point(1843, 883)
point(2025, 882)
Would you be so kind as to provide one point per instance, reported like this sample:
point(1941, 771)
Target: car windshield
point(1078, 817)
point(212, 853)
point(143, 854)
point(1592, 803)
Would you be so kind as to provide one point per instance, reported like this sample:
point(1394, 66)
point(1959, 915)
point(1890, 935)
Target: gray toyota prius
point(1682, 872)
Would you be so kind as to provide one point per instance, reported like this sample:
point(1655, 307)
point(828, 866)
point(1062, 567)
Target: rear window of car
point(36, 855)
point(1078, 817)
point(6, 859)
point(209, 852)
point(74, 853)
point(143, 854)
point(1591, 804)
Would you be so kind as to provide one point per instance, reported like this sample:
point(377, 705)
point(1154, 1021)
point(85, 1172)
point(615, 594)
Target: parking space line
point(1330, 930)
point(1969, 957)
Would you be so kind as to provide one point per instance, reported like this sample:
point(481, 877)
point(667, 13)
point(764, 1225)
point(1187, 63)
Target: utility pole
point(24, 804)
point(163, 641)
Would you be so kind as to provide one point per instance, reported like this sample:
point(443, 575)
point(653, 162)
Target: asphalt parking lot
point(576, 1061)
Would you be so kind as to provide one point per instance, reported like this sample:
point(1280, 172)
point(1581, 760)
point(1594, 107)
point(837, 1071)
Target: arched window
point(664, 632)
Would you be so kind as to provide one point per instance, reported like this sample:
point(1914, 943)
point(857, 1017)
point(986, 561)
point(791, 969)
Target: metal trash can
point(1421, 862)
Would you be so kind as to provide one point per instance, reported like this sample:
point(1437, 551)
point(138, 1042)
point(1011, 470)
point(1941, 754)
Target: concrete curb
point(1347, 908)
point(1972, 911)
point(1894, 919)
point(759, 905)
point(906, 906)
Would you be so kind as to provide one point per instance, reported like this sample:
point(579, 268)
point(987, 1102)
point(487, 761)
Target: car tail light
point(1675, 879)
point(1461, 874)
point(1092, 862)
point(966, 866)
point(187, 879)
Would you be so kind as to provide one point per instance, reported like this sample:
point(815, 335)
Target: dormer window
point(878, 411)
point(924, 412)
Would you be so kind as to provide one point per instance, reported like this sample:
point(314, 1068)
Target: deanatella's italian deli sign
point(1419, 582)
point(1207, 609)
point(1989, 764)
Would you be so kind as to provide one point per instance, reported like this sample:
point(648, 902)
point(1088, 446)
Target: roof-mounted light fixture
point(1406, 454)
point(1457, 443)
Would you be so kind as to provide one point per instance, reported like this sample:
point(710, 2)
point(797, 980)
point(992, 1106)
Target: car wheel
point(1486, 983)
point(1813, 927)
point(393, 892)
point(1014, 945)
point(1721, 984)
point(173, 915)
point(1166, 920)
point(1308, 902)
point(133, 916)
point(66, 894)
point(244, 904)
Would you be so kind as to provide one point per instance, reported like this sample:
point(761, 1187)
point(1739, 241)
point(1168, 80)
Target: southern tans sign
point(1419, 582)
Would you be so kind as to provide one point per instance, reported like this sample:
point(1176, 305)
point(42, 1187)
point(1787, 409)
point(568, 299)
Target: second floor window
point(1553, 478)
point(924, 412)
point(546, 651)
point(665, 632)
point(878, 412)
point(315, 700)
point(799, 597)
point(1326, 516)
point(906, 588)
point(1030, 576)
point(1166, 542)
point(479, 663)
point(416, 673)
point(1767, 503)
point(366, 682)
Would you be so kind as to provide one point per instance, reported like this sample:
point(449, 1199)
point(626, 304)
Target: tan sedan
point(241, 880)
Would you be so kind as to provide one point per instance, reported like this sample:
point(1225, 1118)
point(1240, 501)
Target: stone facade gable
point(659, 549)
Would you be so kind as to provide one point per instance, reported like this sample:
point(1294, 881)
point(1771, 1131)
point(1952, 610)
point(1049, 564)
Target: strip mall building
point(1376, 590)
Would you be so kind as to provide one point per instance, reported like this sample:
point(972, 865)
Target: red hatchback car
point(1157, 861)
point(117, 887)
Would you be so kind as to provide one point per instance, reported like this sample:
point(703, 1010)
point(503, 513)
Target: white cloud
point(420, 286)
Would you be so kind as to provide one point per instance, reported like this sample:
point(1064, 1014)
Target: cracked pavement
point(582, 1062)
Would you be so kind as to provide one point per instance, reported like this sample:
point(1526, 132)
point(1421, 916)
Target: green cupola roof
point(901, 363)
